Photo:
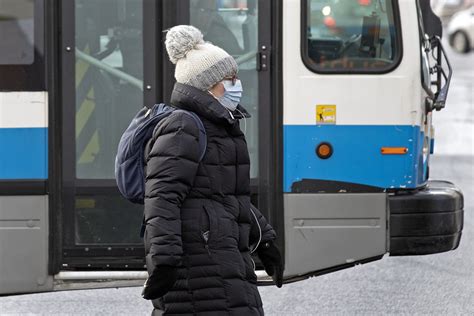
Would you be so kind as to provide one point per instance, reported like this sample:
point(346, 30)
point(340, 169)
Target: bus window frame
point(307, 61)
point(36, 74)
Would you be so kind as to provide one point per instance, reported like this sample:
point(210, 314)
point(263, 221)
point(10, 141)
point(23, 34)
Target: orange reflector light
point(394, 150)
point(324, 150)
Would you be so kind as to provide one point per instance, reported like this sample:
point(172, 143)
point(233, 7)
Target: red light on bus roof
point(365, 2)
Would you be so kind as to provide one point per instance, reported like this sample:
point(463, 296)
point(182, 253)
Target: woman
point(199, 222)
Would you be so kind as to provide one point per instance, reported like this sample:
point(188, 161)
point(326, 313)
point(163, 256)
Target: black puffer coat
point(186, 198)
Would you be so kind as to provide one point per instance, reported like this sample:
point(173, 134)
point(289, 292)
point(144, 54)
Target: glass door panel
point(108, 37)
point(106, 84)
point(233, 26)
point(243, 29)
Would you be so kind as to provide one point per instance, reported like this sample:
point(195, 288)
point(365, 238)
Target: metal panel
point(328, 230)
point(24, 244)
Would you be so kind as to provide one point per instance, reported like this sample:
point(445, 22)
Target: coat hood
point(202, 103)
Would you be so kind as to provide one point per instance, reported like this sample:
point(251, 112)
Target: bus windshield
point(351, 36)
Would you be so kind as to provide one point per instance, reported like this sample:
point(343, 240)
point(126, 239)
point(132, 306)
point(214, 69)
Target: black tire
point(460, 42)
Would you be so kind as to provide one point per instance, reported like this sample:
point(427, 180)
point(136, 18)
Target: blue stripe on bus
point(23, 153)
point(357, 155)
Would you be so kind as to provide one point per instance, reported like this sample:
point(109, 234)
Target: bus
point(341, 93)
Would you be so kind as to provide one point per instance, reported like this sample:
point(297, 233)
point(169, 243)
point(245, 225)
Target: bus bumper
point(427, 221)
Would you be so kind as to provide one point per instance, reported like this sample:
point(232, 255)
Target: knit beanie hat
point(199, 64)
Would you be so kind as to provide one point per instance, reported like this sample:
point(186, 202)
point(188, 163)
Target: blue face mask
point(232, 94)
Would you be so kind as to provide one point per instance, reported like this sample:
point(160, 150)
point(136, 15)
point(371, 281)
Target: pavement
point(441, 284)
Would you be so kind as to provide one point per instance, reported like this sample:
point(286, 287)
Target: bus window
point(106, 219)
point(17, 32)
point(22, 45)
point(233, 26)
point(111, 33)
point(359, 36)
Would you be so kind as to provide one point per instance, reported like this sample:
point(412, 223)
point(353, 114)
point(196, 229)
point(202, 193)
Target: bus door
point(109, 70)
point(114, 63)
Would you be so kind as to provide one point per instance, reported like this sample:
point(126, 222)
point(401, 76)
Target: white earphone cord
point(259, 231)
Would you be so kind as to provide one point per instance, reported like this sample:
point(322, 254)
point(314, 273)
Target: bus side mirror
point(437, 100)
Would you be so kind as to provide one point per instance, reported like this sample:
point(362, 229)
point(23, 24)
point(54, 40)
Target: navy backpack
point(129, 162)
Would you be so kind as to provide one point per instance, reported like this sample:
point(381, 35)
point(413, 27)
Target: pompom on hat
point(199, 64)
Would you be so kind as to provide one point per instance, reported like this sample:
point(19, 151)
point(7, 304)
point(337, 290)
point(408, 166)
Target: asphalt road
point(440, 284)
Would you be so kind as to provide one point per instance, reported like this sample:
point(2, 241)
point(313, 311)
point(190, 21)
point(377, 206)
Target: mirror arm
point(442, 91)
point(426, 44)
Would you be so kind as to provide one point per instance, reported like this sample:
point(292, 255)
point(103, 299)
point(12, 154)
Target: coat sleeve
point(172, 162)
point(261, 226)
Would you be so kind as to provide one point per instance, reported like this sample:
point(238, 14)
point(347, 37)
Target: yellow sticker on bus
point(325, 114)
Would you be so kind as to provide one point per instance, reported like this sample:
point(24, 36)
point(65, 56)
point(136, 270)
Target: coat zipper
point(205, 237)
point(207, 234)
